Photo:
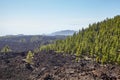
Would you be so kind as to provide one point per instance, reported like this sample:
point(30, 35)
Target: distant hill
point(63, 32)
point(21, 43)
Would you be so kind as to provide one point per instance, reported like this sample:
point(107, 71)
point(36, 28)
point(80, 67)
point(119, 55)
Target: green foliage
point(104, 59)
point(118, 59)
point(6, 49)
point(29, 57)
point(99, 41)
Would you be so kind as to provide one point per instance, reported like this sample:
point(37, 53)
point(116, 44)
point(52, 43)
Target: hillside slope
point(101, 42)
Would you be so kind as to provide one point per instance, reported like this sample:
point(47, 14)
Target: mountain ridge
point(63, 32)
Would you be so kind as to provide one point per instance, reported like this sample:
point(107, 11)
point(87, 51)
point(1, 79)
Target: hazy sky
point(46, 16)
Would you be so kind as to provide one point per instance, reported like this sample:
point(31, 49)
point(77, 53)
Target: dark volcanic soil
point(52, 66)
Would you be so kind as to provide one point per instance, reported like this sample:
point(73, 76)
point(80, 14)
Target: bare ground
point(53, 66)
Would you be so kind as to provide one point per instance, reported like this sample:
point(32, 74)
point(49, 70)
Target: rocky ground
point(52, 66)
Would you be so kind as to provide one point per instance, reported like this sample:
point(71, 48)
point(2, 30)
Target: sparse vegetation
point(6, 49)
point(26, 42)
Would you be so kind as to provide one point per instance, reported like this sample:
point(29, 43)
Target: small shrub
point(6, 49)
point(29, 57)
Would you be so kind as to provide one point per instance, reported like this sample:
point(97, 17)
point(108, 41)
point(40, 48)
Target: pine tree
point(99, 41)
point(29, 57)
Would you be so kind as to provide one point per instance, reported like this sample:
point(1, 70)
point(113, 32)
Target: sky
point(34, 17)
